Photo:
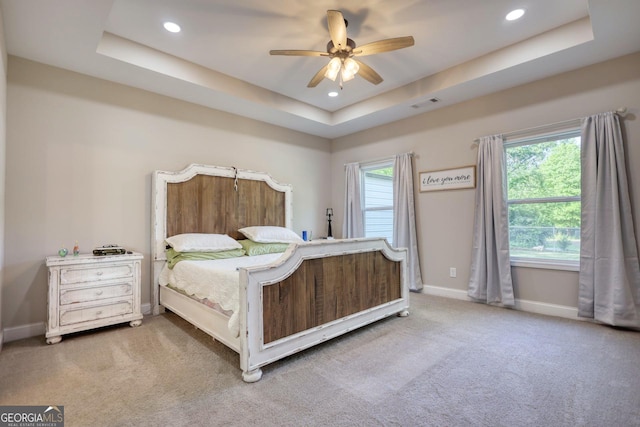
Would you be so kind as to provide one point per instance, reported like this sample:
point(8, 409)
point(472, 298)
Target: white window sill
point(546, 264)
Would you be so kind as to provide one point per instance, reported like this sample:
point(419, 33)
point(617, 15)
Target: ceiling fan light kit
point(348, 68)
point(333, 68)
point(342, 51)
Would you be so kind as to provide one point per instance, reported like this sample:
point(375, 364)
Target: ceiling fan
point(342, 51)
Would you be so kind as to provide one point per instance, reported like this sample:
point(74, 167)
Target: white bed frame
point(254, 353)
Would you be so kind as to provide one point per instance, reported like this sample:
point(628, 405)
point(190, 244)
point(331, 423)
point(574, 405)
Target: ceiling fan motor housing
point(331, 49)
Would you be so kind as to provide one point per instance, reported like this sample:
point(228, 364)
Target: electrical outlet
point(452, 272)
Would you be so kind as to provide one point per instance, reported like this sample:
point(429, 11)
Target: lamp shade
point(349, 69)
point(333, 68)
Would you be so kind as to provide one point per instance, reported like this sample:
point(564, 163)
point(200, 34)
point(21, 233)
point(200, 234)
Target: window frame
point(367, 167)
point(530, 139)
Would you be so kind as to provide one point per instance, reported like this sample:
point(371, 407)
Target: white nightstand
point(88, 291)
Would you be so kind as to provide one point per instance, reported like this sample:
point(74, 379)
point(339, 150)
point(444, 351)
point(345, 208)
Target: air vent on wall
point(427, 102)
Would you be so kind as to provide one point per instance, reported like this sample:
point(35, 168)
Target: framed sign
point(448, 179)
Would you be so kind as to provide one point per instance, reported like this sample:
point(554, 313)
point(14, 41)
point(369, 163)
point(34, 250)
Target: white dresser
point(88, 291)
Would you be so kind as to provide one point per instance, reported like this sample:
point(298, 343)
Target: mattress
point(216, 281)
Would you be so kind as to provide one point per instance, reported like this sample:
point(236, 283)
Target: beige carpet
point(450, 363)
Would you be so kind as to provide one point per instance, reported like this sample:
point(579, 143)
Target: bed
point(312, 292)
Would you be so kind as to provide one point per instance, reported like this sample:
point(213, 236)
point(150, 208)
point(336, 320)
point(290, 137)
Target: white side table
point(88, 291)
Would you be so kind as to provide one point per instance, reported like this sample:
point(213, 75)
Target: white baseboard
point(34, 329)
point(23, 331)
point(548, 309)
point(145, 308)
point(445, 292)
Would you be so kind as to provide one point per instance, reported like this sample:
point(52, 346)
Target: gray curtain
point(609, 279)
point(490, 279)
point(352, 225)
point(404, 217)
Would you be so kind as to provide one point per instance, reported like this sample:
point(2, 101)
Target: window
point(543, 193)
point(377, 200)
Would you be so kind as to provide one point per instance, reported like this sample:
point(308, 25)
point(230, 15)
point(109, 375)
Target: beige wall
point(443, 139)
point(80, 153)
point(3, 157)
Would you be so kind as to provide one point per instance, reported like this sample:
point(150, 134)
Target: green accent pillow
point(174, 257)
point(256, 248)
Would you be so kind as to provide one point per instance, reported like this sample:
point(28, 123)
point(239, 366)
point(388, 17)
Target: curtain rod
point(380, 159)
point(621, 111)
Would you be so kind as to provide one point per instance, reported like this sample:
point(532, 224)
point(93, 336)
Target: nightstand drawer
point(77, 274)
point(76, 295)
point(68, 317)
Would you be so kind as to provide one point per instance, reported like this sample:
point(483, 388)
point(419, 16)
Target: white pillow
point(270, 234)
point(200, 242)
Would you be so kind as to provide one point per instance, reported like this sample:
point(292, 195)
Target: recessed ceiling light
point(515, 14)
point(172, 27)
point(333, 94)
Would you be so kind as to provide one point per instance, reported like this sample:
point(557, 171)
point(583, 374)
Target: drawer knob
point(98, 313)
point(99, 292)
point(99, 273)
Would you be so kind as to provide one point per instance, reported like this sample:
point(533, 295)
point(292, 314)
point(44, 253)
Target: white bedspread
point(215, 280)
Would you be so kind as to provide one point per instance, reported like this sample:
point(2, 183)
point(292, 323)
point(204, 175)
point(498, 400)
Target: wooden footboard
point(326, 289)
point(318, 291)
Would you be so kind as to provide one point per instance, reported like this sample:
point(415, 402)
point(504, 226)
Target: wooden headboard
point(213, 199)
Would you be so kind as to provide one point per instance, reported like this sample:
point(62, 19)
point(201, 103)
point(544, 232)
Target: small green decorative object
point(63, 252)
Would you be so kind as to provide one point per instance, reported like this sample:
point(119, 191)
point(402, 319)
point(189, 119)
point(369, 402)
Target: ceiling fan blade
point(384, 46)
point(368, 73)
point(298, 53)
point(318, 77)
point(337, 28)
